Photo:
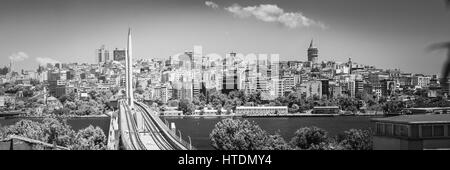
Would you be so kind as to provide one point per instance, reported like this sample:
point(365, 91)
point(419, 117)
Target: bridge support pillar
point(172, 127)
point(139, 121)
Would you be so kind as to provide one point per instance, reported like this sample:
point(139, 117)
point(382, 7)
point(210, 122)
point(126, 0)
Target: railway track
point(159, 134)
point(175, 142)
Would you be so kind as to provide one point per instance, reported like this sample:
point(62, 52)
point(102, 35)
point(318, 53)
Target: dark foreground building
point(412, 132)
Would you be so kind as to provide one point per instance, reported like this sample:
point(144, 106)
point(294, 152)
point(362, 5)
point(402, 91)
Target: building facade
point(245, 110)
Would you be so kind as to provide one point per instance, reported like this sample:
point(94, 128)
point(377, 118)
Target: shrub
point(232, 134)
point(307, 137)
point(354, 139)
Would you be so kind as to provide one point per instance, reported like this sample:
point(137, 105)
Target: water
point(200, 128)
point(75, 123)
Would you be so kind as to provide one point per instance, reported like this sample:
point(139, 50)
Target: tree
point(276, 142)
point(62, 98)
point(236, 102)
point(186, 106)
point(90, 138)
point(70, 105)
point(231, 134)
point(282, 101)
point(93, 94)
point(50, 131)
point(294, 108)
point(369, 99)
point(309, 137)
point(356, 139)
point(90, 107)
point(4, 70)
point(240, 94)
point(421, 93)
point(330, 145)
point(219, 110)
point(349, 104)
point(196, 100)
point(427, 102)
point(57, 132)
point(20, 104)
point(28, 93)
point(173, 103)
point(62, 111)
point(202, 112)
point(393, 107)
point(217, 99)
point(254, 97)
point(26, 128)
point(201, 98)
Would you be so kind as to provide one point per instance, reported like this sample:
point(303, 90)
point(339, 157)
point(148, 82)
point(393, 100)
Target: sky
point(382, 33)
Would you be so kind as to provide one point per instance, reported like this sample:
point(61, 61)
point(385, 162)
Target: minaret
point(129, 71)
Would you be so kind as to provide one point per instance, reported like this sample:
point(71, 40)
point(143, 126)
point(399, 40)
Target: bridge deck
point(148, 141)
point(140, 130)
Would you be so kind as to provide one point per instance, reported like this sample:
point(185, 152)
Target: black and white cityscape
point(224, 75)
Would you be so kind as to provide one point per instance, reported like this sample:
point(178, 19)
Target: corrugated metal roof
point(417, 119)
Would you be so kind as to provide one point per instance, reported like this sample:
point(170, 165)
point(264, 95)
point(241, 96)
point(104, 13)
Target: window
point(397, 130)
point(401, 130)
point(380, 129)
point(438, 130)
point(404, 131)
point(448, 130)
point(389, 129)
point(427, 131)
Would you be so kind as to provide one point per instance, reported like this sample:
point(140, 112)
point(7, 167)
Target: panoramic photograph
point(224, 75)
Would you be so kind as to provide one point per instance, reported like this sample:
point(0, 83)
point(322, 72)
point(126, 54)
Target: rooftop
point(260, 107)
point(416, 119)
point(430, 108)
point(326, 107)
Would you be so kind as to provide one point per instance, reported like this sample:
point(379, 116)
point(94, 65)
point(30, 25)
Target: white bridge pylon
point(129, 71)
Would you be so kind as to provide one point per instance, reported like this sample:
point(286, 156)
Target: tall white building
point(102, 55)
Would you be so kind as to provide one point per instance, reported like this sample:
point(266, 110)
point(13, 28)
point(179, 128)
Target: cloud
point(46, 60)
point(274, 14)
point(211, 4)
point(19, 56)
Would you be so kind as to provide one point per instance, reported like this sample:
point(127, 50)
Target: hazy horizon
point(382, 33)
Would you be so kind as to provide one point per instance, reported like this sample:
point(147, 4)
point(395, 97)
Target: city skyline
point(214, 75)
point(70, 31)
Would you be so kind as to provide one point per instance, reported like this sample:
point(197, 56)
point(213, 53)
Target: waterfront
point(199, 128)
